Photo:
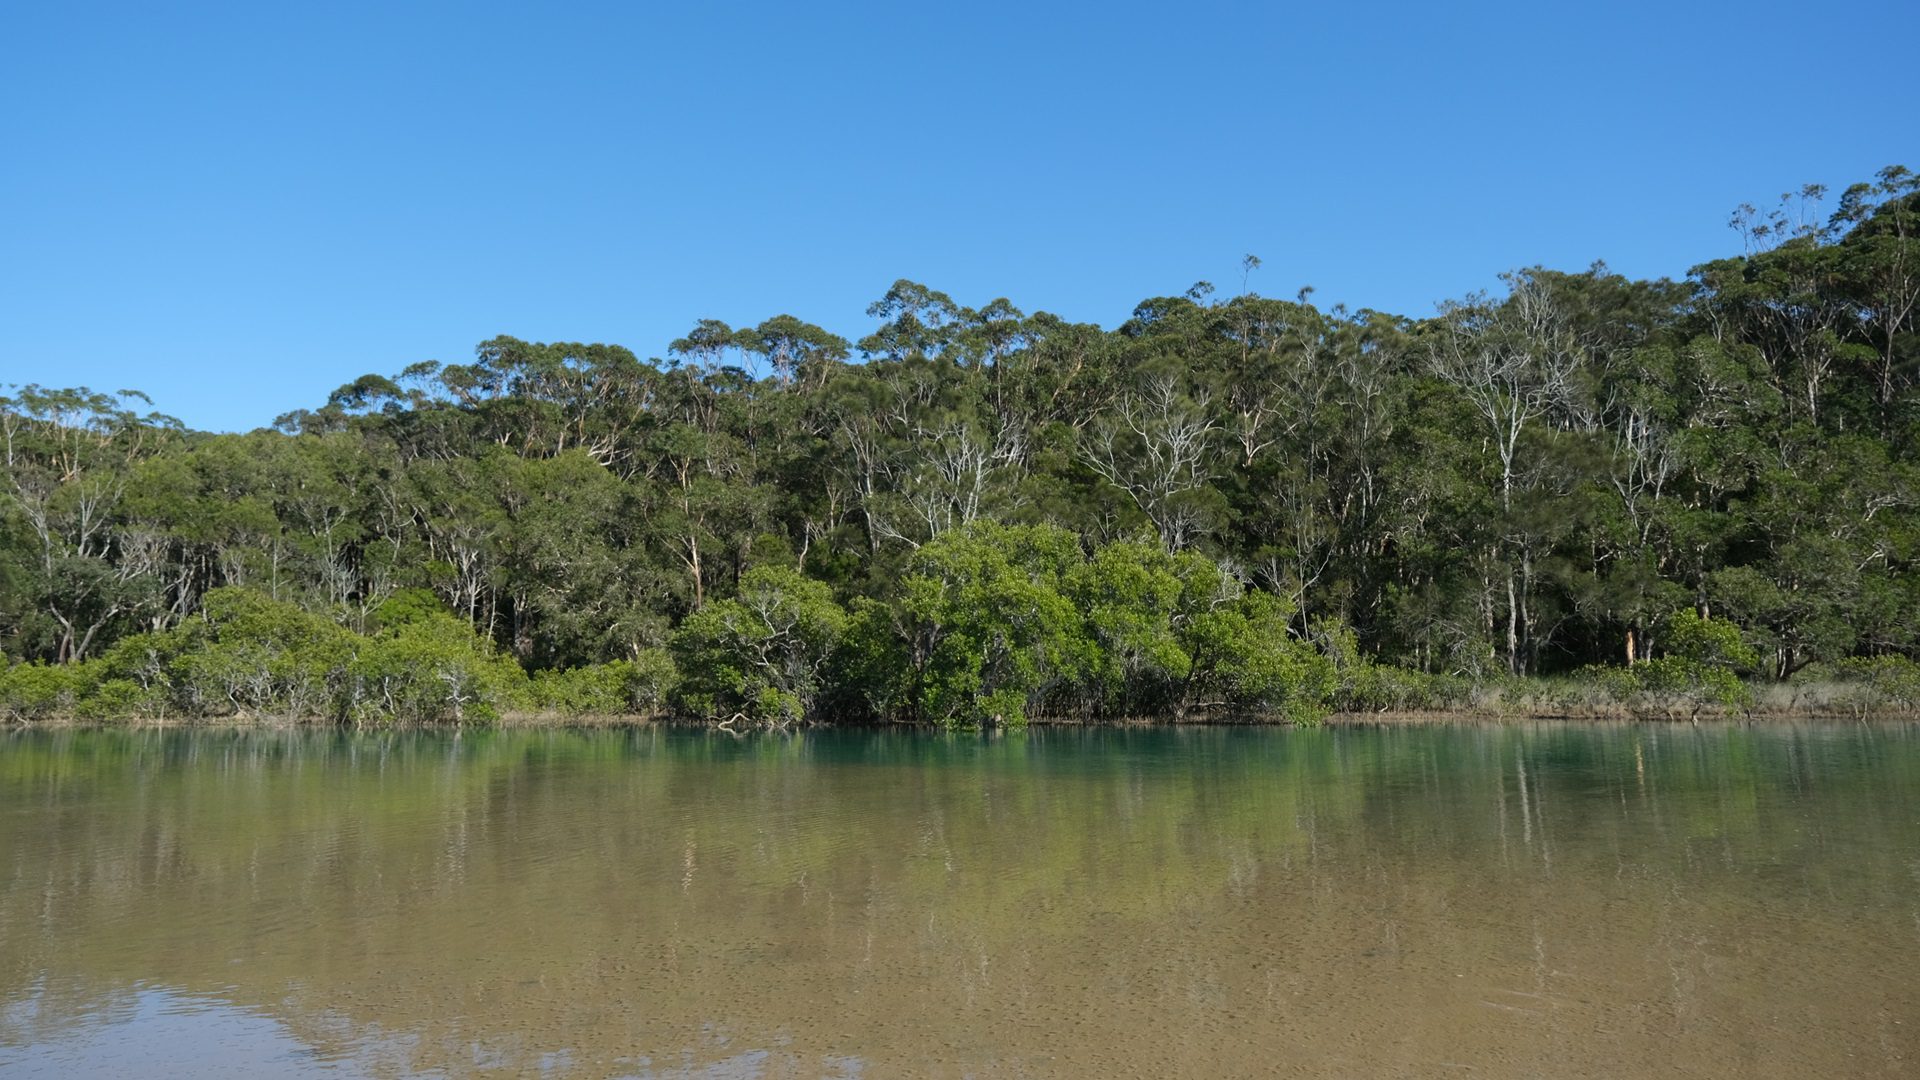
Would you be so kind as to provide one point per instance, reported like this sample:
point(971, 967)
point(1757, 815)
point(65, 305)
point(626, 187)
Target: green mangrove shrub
point(636, 687)
point(995, 624)
point(39, 691)
point(1862, 685)
point(433, 669)
point(761, 655)
point(1701, 667)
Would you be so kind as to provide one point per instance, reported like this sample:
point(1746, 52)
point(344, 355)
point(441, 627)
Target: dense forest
point(1226, 505)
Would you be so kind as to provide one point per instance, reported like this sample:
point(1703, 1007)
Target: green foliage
point(1245, 657)
point(37, 691)
point(1715, 643)
point(1358, 684)
point(983, 627)
point(997, 624)
point(406, 607)
point(1702, 664)
point(249, 656)
point(1342, 509)
point(258, 656)
point(762, 654)
point(637, 687)
point(124, 699)
point(1692, 685)
point(1136, 600)
point(1865, 684)
point(432, 670)
point(1701, 667)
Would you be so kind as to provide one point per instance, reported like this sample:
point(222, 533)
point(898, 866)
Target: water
point(1479, 901)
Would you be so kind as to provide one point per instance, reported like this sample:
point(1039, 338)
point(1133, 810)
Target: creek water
point(1472, 900)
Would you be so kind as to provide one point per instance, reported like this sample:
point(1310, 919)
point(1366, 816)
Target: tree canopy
point(1006, 513)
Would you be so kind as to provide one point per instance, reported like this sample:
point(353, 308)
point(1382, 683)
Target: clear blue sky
point(238, 208)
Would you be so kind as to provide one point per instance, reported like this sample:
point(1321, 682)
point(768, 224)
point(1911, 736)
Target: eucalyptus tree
point(917, 323)
point(68, 455)
point(1879, 225)
point(1158, 448)
point(795, 350)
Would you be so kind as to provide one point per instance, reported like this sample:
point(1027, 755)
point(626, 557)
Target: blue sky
point(238, 208)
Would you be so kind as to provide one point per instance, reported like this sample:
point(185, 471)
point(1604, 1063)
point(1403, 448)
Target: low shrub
point(1862, 685)
point(38, 691)
point(635, 687)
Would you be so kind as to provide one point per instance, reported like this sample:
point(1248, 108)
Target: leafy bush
point(1246, 657)
point(761, 654)
point(1385, 688)
point(995, 624)
point(1714, 643)
point(1598, 687)
point(616, 688)
point(1702, 666)
point(599, 689)
point(262, 656)
point(251, 655)
point(405, 606)
point(651, 680)
point(982, 627)
point(1136, 599)
point(433, 669)
point(123, 699)
point(37, 691)
point(1867, 684)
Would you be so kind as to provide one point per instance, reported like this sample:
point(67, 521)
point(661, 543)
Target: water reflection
point(1552, 899)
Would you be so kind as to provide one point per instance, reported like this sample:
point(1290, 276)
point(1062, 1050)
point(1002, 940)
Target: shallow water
point(1558, 900)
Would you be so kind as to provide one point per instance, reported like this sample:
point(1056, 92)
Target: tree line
point(979, 513)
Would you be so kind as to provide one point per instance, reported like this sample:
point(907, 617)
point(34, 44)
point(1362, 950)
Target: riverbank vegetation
point(1587, 492)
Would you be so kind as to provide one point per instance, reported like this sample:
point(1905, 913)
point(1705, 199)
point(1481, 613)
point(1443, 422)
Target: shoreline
point(1484, 717)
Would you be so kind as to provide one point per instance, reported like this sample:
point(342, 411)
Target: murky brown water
point(1439, 901)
